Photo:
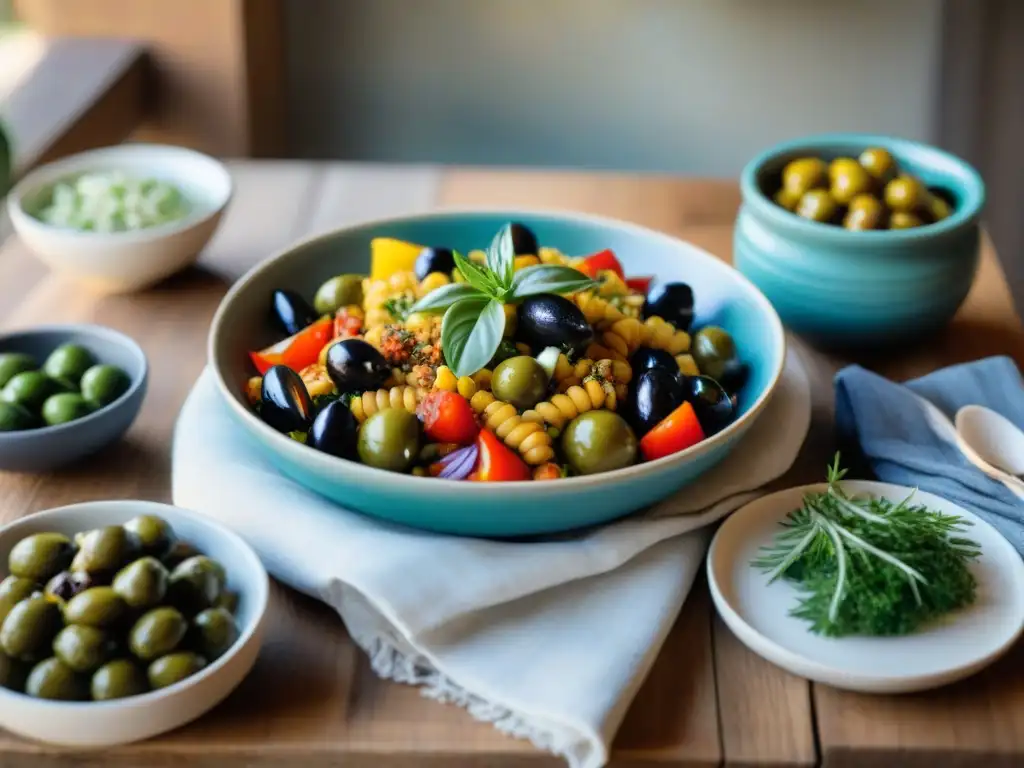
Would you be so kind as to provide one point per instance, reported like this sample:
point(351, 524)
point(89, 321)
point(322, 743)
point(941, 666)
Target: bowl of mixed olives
point(860, 240)
point(66, 392)
point(120, 620)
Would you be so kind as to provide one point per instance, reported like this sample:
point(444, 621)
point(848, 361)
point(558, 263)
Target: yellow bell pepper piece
point(388, 256)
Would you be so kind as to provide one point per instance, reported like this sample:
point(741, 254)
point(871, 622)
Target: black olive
point(646, 358)
point(292, 313)
point(547, 320)
point(672, 302)
point(355, 366)
point(734, 376)
point(524, 242)
point(335, 431)
point(656, 394)
point(285, 403)
point(714, 408)
point(434, 260)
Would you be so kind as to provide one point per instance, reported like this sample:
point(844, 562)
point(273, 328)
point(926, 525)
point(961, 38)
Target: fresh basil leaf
point(501, 256)
point(445, 296)
point(549, 278)
point(470, 332)
point(475, 275)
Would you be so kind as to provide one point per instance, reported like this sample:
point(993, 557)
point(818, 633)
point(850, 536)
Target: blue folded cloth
point(889, 425)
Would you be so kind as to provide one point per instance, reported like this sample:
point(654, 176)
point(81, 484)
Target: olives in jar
point(285, 403)
point(804, 174)
point(105, 550)
point(291, 312)
point(213, 632)
point(340, 291)
point(195, 584)
point(711, 403)
point(787, 198)
point(103, 384)
point(29, 628)
point(817, 205)
point(15, 418)
point(524, 241)
point(672, 302)
point(547, 320)
point(82, 648)
point(118, 679)
point(879, 163)
point(904, 220)
point(335, 431)
point(68, 362)
point(598, 441)
point(153, 534)
point(142, 584)
point(389, 439)
point(656, 393)
point(434, 260)
point(864, 212)
point(356, 366)
point(904, 194)
point(53, 679)
point(64, 407)
point(29, 390)
point(95, 607)
point(156, 633)
point(520, 381)
point(13, 363)
point(714, 351)
point(849, 179)
point(40, 556)
point(174, 668)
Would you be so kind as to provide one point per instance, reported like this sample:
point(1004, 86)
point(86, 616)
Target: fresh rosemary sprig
point(869, 566)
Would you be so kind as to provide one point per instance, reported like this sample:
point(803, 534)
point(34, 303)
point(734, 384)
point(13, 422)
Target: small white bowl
point(121, 262)
point(108, 723)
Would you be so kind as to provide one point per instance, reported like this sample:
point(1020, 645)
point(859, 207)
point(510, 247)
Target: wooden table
point(313, 700)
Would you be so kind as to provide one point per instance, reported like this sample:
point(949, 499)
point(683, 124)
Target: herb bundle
point(474, 315)
point(869, 566)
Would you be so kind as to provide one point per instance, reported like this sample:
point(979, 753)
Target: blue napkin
point(889, 425)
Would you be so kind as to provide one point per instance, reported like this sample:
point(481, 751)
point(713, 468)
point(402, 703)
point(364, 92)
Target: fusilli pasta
point(527, 437)
point(563, 408)
point(368, 403)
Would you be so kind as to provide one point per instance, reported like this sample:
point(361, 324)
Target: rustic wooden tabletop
point(312, 699)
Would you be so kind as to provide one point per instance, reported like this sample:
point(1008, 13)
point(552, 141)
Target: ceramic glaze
point(863, 288)
point(722, 297)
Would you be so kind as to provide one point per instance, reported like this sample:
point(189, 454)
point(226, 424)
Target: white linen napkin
point(547, 640)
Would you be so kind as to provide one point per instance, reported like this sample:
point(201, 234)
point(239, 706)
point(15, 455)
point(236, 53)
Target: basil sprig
point(474, 318)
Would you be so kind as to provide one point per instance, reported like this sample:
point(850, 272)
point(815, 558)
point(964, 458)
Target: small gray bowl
point(48, 448)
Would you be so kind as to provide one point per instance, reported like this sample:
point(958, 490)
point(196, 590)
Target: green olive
point(804, 174)
point(174, 668)
point(105, 550)
point(13, 590)
point(15, 418)
point(53, 679)
point(142, 584)
point(13, 363)
point(937, 208)
point(903, 220)
point(13, 673)
point(95, 607)
point(156, 633)
point(68, 362)
point(103, 384)
point(849, 179)
point(196, 584)
point(29, 389)
point(153, 533)
point(338, 292)
point(41, 556)
point(787, 198)
point(865, 212)
point(598, 441)
point(228, 600)
point(714, 351)
point(389, 439)
point(28, 631)
point(520, 381)
point(179, 552)
point(904, 194)
point(64, 407)
point(82, 648)
point(118, 679)
point(213, 631)
point(879, 163)
point(817, 205)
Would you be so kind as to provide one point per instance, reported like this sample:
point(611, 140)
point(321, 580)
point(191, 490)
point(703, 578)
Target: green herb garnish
point(474, 319)
point(398, 307)
point(869, 566)
point(299, 437)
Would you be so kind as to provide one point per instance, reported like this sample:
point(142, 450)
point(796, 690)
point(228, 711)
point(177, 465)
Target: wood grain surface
point(312, 699)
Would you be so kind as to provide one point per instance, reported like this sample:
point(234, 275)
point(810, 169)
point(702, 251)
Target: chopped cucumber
point(113, 202)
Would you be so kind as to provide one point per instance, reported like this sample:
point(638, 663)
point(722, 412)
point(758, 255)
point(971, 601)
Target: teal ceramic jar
point(842, 288)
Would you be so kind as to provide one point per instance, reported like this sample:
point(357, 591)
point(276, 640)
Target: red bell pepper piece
point(676, 432)
point(605, 259)
point(447, 418)
point(497, 463)
point(296, 351)
point(640, 284)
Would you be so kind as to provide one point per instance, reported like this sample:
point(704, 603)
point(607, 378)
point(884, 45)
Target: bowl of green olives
point(66, 391)
point(120, 620)
point(860, 240)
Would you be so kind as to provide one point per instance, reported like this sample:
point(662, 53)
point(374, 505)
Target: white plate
point(959, 646)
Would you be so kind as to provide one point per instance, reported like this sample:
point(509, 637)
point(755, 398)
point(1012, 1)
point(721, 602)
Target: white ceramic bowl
point(120, 262)
point(107, 723)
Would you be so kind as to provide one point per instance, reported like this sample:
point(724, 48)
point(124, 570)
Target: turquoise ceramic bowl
point(873, 288)
point(723, 297)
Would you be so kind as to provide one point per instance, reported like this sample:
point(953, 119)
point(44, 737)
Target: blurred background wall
point(692, 86)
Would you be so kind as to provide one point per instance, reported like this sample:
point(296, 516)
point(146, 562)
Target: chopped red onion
point(458, 464)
